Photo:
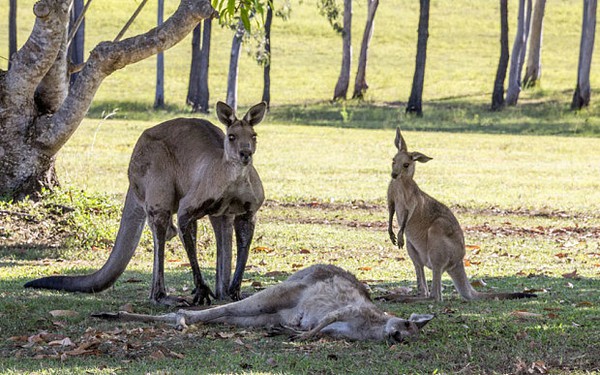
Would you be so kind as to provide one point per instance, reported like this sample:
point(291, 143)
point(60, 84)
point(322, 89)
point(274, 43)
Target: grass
point(523, 183)
point(530, 221)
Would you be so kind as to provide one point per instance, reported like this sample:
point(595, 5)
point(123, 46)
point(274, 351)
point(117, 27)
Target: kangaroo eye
point(231, 137)
point(406, 165)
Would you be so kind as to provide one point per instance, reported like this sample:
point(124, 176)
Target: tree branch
point(31, 63)
point(54, 131)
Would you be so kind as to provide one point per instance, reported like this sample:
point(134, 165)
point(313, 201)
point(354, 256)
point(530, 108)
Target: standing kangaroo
point(320, 299)
point(433, 235)
point(187, 167)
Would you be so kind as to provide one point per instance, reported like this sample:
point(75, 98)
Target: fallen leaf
point(271, 362)
point(472, 248)
point(62, 313)
point(467, 262)
point(128, 307)
point(297, 265)
point(64, 342)
point(256, 284)
point(561, 255)
point(158, 355)
point(225, 335)
point(304, 251)
point(365, 268)
point(538, 367)
point(478, 283)
point(571, 275)
point(262, 249)
point(133, 280)
point(173, 260)
point(184, 265)
point(553, 316)
point(584, 304)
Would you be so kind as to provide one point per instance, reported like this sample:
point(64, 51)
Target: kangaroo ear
point(421, 319)
point(225, 114)
point(399, 141)
point(256, 114)
point(422, 158)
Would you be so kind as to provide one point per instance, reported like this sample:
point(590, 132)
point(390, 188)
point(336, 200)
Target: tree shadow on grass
point(539, 114)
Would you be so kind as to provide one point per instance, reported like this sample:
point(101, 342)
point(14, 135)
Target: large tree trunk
point(266, 96)
point(232, 77)
point(159, 96)
point(582, 94)
point(12, 29)
point(498, 93)
point(38, 112)
point(518, 51)
point(533, 71)
point(360, 83)
point(341, 88)
point(77, 46)
point(416, 94)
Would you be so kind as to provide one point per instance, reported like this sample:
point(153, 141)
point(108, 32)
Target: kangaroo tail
point(128, 237)
point(466, 290)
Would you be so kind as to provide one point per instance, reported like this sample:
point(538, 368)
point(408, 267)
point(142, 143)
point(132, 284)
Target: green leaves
point(251, 13)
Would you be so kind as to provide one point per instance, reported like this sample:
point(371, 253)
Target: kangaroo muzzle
point(246, 156)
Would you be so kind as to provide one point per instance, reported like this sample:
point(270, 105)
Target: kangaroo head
point(398, 330)
point(240, 140)
point(403, 163)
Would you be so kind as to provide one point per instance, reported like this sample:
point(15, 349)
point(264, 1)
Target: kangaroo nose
point(394, 174)
point(245, 156)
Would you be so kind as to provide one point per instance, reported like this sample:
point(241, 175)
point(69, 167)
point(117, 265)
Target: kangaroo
point(187, 167)
point(320, 299)
point(434, 237)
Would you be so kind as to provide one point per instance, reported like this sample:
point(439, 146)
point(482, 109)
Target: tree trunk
point(498, 94)
point(203, 93)
point(159, 97)
point(266, 96)
point(514, 75)
point(533, 71)
point(77, 46)
point(416, 94)
point(341, 88)
point(12, 30)
point(194, 83)
point(582, 94)
point(360, 83)
point(232, 77)
point(33, 131)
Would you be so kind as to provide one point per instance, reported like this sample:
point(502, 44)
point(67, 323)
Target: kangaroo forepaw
point(202, 294)
point(172, 301)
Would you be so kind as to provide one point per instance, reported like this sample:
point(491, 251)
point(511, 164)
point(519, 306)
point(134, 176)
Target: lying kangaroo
point(321, 299)
point(433, 235)
point(188, 167)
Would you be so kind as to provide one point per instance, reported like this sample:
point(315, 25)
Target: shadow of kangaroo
point(187, 167)
point(320, 299)
point(434, 237)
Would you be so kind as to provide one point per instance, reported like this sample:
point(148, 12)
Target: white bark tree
point(159, 95)
point(533, 70)
point(518, 53)
point(583, 91)
point(38, 112)
point(360, 83)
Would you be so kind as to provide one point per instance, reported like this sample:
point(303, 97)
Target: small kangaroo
point(320, 299)
point(187, 167)
point(434, 237)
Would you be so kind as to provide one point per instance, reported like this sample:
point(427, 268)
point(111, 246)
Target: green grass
point(523, 183)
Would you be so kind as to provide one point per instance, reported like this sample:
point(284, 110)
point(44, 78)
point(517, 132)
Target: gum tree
point(38, 112)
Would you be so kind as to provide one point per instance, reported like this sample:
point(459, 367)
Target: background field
point(523, 183)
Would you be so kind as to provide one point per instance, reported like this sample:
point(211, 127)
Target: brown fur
point(190, 168)
point(434, 237)
point(321, 299)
